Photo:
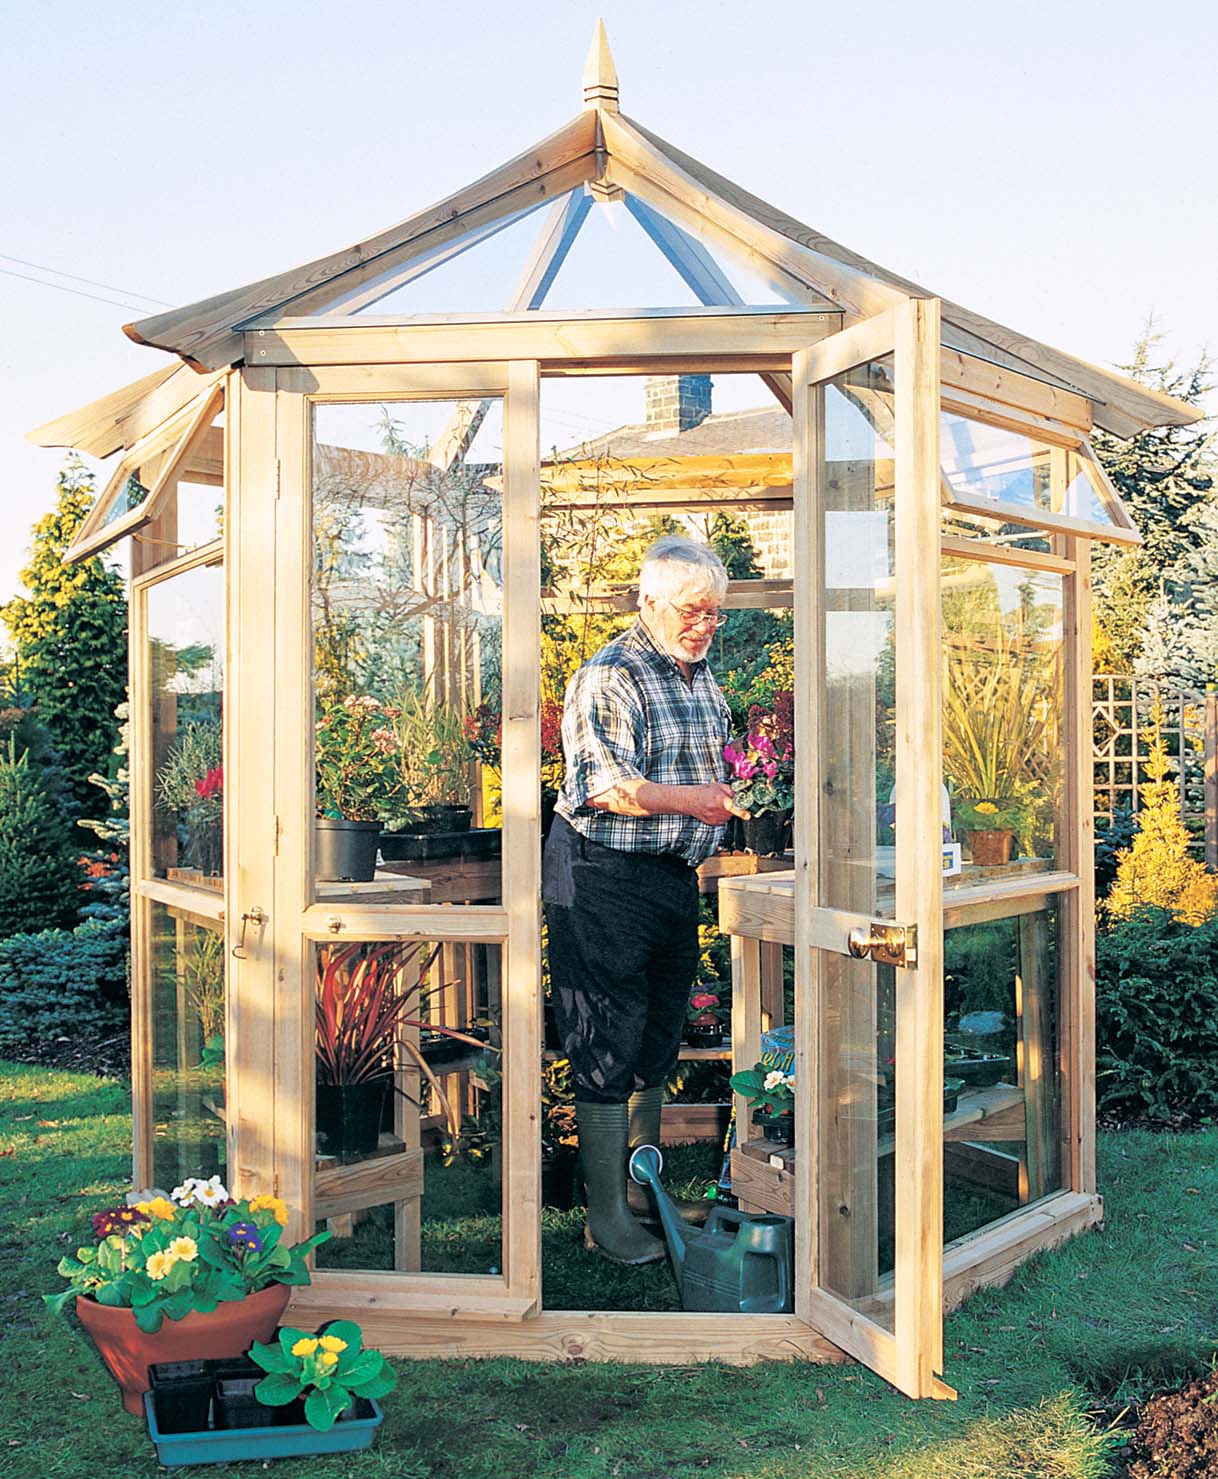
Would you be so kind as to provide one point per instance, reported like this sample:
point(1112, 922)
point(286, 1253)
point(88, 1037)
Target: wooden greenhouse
point(344, 511)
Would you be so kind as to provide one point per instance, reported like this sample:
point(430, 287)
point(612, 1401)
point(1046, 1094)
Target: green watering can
point(739, 1263)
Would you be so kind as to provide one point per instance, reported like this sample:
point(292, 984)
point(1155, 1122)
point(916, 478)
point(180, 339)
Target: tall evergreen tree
point(70, 635)
point(1166, 478)
point(39, 872)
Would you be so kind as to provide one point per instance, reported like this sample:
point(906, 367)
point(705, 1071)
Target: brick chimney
point(676, 403)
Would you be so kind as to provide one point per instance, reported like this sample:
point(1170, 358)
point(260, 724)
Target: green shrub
point(60, 983)
point(1157, 1017)
point(39, 872)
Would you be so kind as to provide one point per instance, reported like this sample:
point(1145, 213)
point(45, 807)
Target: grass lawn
point(1109, 1318)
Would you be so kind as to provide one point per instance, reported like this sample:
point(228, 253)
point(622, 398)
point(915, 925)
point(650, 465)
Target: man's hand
point(712, 803)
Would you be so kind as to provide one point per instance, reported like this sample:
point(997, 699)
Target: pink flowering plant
point(355, 751)
point(328, 1370)
point(761, 766)
point(190, 1251)
point(704, 1009)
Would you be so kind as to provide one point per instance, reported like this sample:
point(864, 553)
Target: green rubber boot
point(645, 1108)
point(610, 1229)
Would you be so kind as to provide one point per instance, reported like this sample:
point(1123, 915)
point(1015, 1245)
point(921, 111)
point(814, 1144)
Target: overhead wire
point(123, 302)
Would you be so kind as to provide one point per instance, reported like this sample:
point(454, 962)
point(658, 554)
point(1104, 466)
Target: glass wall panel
point(857, 839)
point(1003, 759)
point(408, 1107)
point(187, 967)
point(407, 607)
point(185, 625)
point(1004, 1110)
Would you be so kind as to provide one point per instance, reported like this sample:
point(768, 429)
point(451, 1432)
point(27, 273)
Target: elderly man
point(643, 802)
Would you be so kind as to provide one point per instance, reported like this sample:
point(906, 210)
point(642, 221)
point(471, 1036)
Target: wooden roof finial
point(600, 75)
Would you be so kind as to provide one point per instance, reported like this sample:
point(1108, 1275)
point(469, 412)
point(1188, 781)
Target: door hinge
point(278, 478)
point(278, 834)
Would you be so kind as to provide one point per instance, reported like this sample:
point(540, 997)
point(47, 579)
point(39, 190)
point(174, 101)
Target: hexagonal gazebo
point(342, 521)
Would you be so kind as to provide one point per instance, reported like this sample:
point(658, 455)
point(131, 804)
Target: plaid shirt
point(628, 715)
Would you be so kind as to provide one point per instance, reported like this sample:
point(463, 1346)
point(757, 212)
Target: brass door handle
point(884, 944)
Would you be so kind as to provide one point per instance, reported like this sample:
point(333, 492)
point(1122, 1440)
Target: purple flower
point(763, 744)
point(771, 769)
point(745, 769)
point(245, 1237)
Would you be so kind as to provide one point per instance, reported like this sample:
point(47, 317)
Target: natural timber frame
point(270, 355)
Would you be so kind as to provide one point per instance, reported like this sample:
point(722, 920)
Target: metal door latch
point(251, 916)
point(885, 944)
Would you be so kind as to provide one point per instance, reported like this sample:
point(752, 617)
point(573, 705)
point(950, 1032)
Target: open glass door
point(869, 844)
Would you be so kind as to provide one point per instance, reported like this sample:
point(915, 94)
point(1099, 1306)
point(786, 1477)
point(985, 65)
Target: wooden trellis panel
point(1122, 725)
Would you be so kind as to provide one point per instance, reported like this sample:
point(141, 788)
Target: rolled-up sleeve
point(604, 732)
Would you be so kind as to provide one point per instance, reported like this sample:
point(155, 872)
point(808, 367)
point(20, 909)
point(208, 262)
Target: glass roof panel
point(613, 254)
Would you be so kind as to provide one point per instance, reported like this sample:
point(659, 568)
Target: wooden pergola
point(924, 382)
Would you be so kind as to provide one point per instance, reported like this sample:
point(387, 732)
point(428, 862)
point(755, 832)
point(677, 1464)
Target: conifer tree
point(1158, 868)
point(39, 871)
point(70, 634)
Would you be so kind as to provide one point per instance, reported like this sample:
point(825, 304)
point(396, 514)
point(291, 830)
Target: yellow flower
point(305, 1346)
point(159, 1264)
point(986, 809)
point(184, 1248)
point(274, 1205)
point(327, 1358)
point(332, 1343)
point(158, 1207)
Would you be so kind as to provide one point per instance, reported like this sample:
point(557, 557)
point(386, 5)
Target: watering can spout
point(645, 1165)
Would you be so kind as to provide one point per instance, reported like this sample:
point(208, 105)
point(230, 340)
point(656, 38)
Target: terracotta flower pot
point(229, 1330)
point(991, 847)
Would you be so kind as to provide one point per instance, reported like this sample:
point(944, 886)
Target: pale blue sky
point(1053, 165)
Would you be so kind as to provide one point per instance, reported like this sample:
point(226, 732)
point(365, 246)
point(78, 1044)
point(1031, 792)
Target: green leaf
point(364, 1367)
point(318, 1413)
point(149, 1318)
point(57, 1302)
point(112, 1296)
point(277, 1389)
point(179, 1305)
point(270, 1357)
point(380, 1385)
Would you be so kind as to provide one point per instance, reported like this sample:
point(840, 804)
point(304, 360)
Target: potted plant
point(771, 1091)
point(364, 994)
point(354, 749)
point(703, 1019)
point(761, 767)
point(430, 759)
point(325, 1372)
point(483, 733)
point(190, 787)
point(176, 1278)
point(991, 825)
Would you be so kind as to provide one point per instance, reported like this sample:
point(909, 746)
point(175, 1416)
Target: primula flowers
point(163, 1257)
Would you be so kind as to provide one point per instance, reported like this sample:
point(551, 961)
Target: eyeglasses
point(690, 618)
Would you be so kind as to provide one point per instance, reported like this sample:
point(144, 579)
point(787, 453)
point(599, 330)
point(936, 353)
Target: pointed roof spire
point(600, 75)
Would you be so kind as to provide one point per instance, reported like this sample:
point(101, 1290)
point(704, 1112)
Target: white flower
point(210, 1192)
point(185, 1194)
point(774, 1078)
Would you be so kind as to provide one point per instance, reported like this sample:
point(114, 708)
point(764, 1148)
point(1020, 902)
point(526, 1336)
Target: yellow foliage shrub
point(1158, 868)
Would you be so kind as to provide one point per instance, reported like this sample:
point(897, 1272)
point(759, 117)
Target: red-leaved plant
point(363, 996)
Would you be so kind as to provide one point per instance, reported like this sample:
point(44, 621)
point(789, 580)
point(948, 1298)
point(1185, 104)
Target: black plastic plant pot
point(237, 1407)
point(558, 1179)
point(345, 851)
point(181, 1393)
point(349, 1117)
point(778, 1129)
point(703, 1037)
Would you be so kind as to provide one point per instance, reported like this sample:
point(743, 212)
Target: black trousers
point(623, 930)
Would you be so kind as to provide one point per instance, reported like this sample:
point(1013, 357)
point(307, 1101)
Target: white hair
point(676, 568)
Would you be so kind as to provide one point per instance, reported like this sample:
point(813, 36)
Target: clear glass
point(857, 841)
point(407, 615)
point(1003, 701)
point(185, 623)
point(608, 259)
point(994, 464)
point(186, 961)
point(1004, 1105)
point(409, 1167)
